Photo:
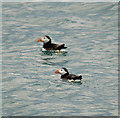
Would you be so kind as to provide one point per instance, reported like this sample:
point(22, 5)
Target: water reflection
point(61, 63)
point(52, 58)
point(54, 53)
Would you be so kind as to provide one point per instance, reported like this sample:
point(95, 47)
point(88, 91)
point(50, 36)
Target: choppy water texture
point(30, 86)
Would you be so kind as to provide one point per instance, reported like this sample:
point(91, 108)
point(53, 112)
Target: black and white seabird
point(66, 76)
point(48, 46)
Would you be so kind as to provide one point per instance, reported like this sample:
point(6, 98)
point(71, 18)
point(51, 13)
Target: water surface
point(30, 86)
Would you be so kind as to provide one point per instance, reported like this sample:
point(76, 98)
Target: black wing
point(74, 77)
point(52, 46)
point(59, 47)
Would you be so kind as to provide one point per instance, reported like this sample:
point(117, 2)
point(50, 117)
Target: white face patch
point(62, 71)
point(45, 39)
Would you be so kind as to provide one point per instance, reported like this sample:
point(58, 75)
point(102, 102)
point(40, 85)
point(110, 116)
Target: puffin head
point(44, 39)
point(62, 71)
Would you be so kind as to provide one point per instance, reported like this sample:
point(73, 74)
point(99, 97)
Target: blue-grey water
point(29, 85)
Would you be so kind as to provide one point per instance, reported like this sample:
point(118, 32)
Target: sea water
point(29, 85)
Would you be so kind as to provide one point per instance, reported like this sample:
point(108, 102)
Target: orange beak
point(57, 71)
point(39, 40)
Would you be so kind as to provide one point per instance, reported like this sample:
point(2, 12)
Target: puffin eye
point(62, 70)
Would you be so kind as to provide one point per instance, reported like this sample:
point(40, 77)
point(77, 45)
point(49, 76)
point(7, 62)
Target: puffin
point(49, 46)
point(68, 77)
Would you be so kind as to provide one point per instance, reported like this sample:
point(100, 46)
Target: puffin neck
point(66, 74)
point(47, 44)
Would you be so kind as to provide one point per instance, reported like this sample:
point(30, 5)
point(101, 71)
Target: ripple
point(30, 86)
